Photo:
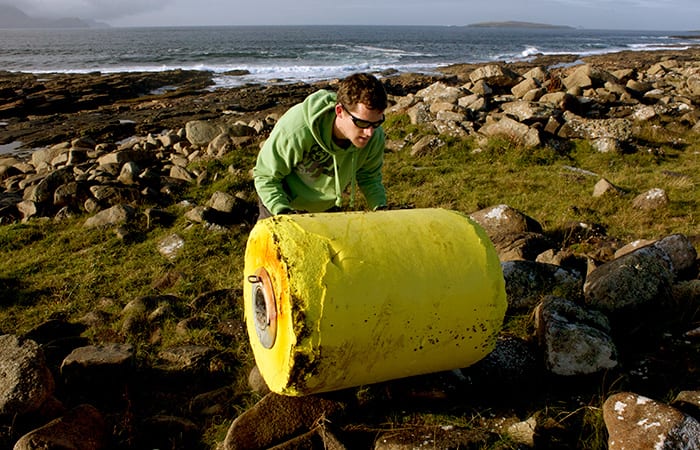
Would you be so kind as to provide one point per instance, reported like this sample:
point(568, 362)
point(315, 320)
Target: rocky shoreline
point(116, 147)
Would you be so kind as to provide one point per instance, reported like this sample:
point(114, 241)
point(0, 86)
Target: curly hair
point(362, 88)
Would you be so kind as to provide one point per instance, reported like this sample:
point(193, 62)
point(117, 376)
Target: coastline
point(39, 110)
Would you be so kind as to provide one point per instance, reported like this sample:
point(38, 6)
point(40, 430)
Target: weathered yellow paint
point(368, 297)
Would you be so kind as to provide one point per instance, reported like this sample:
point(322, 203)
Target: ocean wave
point(290, 54)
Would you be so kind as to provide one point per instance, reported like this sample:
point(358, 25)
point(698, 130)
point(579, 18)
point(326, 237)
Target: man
point(320, 146)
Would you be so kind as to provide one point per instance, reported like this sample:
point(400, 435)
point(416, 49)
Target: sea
point(238, 55)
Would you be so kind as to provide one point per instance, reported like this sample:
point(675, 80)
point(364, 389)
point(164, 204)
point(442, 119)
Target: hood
point(316, 113)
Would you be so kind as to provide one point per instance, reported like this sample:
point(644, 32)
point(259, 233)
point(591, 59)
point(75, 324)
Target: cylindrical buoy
point(337, 300)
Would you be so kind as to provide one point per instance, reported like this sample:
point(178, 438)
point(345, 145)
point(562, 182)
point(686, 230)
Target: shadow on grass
point(13, 292)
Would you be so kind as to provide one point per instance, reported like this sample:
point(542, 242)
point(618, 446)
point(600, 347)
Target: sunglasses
point(362, 123)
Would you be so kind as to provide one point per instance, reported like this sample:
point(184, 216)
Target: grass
point(60, 269)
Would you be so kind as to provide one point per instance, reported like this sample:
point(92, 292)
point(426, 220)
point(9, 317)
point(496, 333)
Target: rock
point(129, 173)
point(586, 76)
point(26, 381)
point(278, 418)
point(186, 358)
point(220, 145)
point(181, 173)
point(528, 281)
point(523, 432)
point(440, 92)
point(516, 132)
point(632, 246)
point(503, 219)
point(580, 128)
point(681, 252)
point(213, 403)
point(201, 132)
point(98, 366)
point(495, 75)
point(529, 112)
point(604, 187)
point(527, 85)
point(165, 431)
point(41, 158)
point(419, 114)
point(222, 202)
point(629, 284)
point(652, 199)
point(575, 340)
point(171, 246)
point(636, 422)
point(28, 209)
point(521, 246)
point(511, 368)
point(607, 145)
point(257, 382)
point(688, 402)
point(81, 428)
point(119, 214)
point(427, 145)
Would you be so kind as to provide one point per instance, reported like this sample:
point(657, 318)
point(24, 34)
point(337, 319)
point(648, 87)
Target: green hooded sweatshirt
point(300, 166)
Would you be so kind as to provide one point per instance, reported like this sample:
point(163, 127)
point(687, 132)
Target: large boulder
point(25, 380)
point(576, 341)
point(632, 284)
point(637, 422)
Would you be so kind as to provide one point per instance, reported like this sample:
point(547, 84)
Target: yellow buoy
point(336, 300)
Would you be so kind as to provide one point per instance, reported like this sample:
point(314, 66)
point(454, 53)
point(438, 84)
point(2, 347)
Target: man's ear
point(338, 109)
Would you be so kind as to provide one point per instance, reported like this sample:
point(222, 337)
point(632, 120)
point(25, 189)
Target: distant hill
point(514, 24)
point(12, 17)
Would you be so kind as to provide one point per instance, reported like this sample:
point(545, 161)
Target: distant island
point(515, 24)
point(12, 17)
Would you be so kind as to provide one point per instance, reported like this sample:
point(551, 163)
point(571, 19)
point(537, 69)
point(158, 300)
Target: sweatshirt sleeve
point(369, 174)
point(275, 161)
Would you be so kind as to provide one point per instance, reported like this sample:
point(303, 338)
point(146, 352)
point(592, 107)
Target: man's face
point(357, 124)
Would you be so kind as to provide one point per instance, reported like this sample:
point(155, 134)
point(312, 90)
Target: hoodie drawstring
point(353, 182)
point(338, 194)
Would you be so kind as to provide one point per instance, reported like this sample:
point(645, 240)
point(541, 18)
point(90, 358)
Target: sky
point(671, 15)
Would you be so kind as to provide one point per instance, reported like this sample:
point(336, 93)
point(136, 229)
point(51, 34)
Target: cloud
point(88, 9)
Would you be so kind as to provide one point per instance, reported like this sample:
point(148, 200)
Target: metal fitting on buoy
point(264, 307)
